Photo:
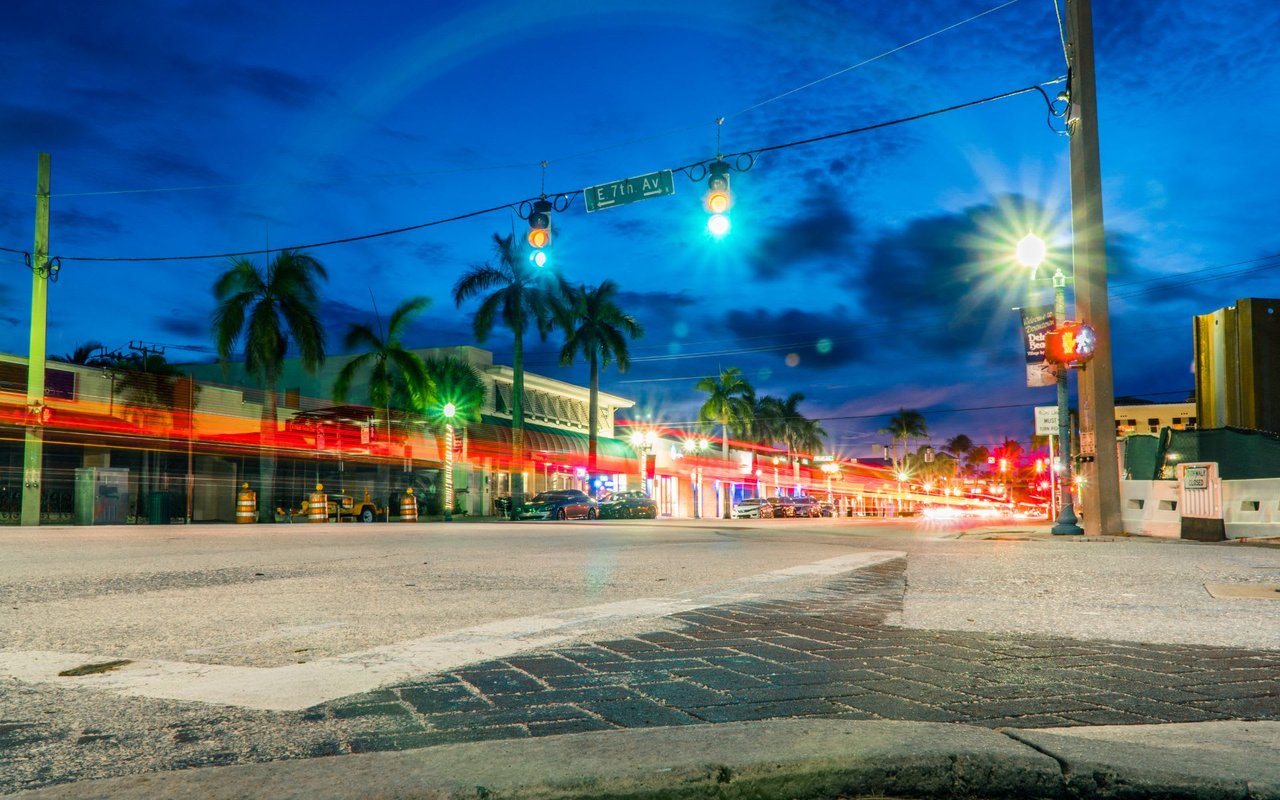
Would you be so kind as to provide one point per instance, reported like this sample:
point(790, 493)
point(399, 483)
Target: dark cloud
point(168, 164)
point(941, 282)
point(272, 84)
point(24, 129)
point(71, 224)
point(821, 233)
point(657, 301)
point(181, 322)
point(817, 339)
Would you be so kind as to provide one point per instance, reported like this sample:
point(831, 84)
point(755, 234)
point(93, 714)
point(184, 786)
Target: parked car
point(628, 505)
point(560, 504)
point(828, 510)
point(753, 508)
point(806, 506)
point(781, 506)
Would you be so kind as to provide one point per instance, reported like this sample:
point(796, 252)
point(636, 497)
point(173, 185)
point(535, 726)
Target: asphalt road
point(242, 643)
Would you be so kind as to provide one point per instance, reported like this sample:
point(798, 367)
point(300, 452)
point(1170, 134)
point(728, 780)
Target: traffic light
point(540, 231)
point(718, 200)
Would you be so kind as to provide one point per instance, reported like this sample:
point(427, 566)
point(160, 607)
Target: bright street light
point(448, 412)
point(1031, 251)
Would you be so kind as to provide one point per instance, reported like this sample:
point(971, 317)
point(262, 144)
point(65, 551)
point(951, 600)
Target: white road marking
point(297, 686)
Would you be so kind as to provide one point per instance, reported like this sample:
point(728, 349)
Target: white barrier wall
point(1250, 509)
point(1150, 508)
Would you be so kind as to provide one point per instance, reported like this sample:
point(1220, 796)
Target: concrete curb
point(783, 759)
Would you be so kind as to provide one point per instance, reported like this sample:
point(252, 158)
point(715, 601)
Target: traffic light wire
point(744, 160)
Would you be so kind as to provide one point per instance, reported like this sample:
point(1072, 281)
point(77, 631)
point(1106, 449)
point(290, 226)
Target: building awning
point(549, 445)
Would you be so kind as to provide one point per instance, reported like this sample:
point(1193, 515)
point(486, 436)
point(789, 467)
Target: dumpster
point(159, 507)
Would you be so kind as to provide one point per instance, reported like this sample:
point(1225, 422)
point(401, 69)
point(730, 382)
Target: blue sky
point(282, 123)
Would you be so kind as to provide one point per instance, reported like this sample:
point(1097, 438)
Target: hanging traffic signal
point(540, 231)
point(718, 200)
point(1070, 343)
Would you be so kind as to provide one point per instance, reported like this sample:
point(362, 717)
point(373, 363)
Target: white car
point(752, 508)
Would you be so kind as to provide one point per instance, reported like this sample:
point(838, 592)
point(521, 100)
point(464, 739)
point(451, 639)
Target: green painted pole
point(33, 450)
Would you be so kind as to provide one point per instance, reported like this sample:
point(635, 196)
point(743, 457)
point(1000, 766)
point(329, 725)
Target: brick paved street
point(827, 655)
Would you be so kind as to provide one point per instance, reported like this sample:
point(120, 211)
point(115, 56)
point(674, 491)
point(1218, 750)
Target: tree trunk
point(517, 421)
point(267, 456)
point(724, 451)
point(593, 417)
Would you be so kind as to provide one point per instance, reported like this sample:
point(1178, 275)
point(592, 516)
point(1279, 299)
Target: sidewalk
point(778, 759)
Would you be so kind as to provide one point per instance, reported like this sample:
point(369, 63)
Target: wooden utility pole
point(1100, 496)
point(33, 450)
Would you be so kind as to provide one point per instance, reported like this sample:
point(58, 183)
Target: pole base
point(1066, 525)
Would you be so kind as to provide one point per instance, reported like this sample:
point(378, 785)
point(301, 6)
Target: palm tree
point(268, 309)
point(523, 296)
point(806, 436)
point(388, 361)
point(767, 420)
point(975, 461)
point(597, 327)
point(958, 445)
point(728, 403)
point(84, 355)
point(450, 379)
point(904, 426)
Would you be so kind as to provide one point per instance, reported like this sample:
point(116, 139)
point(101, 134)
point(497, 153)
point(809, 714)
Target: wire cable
point(875, 58)
point(570, 194)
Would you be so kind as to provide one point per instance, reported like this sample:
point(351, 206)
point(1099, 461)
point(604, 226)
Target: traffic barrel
point(246, 505)
point(318, 505)
point(408, 506)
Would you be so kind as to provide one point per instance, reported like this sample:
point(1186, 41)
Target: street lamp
point(696, 445)
point(831, 468)
point(1031, 252)
point(448, 411)
point(643, 442)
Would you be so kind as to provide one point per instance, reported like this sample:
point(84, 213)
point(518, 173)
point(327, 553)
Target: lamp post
point(1031, 252)
point(448, 411)
point(696, 446)
point(831, 468)
point(643, 443)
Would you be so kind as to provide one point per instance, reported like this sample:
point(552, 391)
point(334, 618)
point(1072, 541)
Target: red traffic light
point(1070, 343)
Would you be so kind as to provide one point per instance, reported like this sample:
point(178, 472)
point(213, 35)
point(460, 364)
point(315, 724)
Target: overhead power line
point(569, 194)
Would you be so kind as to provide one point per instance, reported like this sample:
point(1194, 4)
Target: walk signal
point(1070, 343)
point(718, 199)
point(540, 231)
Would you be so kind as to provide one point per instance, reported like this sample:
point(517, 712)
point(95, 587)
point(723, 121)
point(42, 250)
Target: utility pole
point(147, 351)
point(1100, 497)
point(33, 449)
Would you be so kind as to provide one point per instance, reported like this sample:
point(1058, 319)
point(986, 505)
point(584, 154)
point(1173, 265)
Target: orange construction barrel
point(246, 505)
point(318, 505)
point(408, 506)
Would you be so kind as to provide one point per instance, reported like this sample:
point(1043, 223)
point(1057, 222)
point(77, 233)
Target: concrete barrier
point(1150, 508)
point(1250, 508)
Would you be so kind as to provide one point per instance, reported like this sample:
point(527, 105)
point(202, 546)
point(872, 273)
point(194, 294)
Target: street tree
point(522, 295)
point(728, 404)
point(904, 426)
point(597, 327)
point(267, 309)
point(388, 362)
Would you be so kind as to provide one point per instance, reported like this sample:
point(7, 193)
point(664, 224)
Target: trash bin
point(159, 505)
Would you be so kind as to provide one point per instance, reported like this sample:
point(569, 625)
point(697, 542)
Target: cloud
point(174, 165)
point(805, 338)
point(181, 322)
point(273, 84)
point(24, 129)
point(822, 232)
point(75, 225)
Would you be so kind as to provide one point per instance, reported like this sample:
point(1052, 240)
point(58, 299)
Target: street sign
point(1046, 420)
point(619, 193)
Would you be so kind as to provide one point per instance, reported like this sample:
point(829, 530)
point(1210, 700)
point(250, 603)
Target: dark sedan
point(561, 504)
point(629, 505)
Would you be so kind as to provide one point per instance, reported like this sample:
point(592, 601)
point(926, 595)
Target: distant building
point(1143, 417)
point(1238, 366)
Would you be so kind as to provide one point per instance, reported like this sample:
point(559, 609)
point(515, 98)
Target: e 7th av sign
point(619, 193)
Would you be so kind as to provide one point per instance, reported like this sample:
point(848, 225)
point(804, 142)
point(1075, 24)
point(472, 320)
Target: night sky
point(869, 271)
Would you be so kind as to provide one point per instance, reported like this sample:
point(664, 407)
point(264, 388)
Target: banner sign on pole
point(1036, 322)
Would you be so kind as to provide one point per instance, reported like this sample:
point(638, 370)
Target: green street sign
point(619, 193)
